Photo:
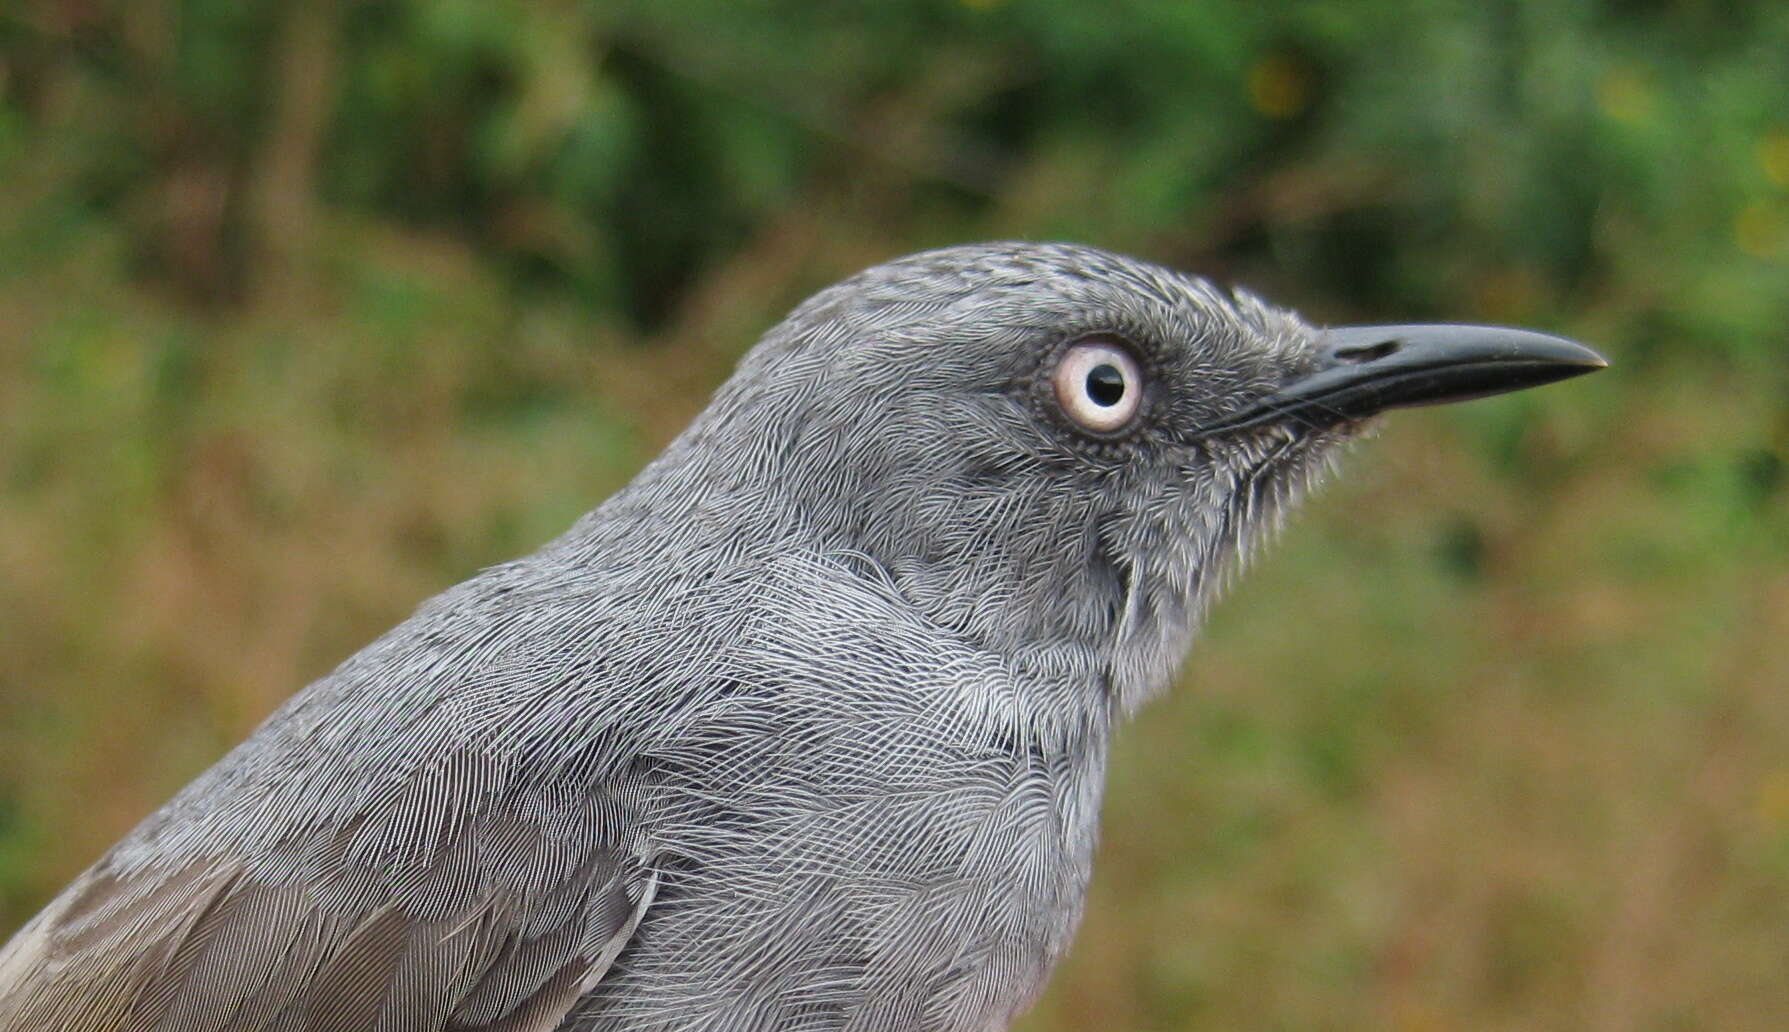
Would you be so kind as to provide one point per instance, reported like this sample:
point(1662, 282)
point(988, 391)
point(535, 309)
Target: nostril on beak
point(1366, 352)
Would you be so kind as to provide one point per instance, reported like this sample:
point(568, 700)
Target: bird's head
point(1051, 446)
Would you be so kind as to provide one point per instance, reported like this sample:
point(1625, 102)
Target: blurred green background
point(309, 310)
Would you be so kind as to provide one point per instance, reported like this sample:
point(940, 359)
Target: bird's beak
point(1363, 370)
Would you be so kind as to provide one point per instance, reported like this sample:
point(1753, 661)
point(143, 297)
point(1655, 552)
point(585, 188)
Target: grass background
point(308, 311)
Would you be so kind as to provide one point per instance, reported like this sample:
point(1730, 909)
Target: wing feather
point(486, 915)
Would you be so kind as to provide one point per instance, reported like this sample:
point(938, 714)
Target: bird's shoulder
point(434, 835)
point(447, 914)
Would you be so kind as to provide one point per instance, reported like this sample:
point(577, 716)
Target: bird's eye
point(1099, 385)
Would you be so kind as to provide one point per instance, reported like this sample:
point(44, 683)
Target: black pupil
point(1105, 385)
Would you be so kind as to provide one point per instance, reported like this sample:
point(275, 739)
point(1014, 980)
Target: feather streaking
point(804, 729)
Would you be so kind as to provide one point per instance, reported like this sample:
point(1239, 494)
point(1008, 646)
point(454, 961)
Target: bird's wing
point(425, 912)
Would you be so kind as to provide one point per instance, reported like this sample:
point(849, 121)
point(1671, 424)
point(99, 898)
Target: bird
point(805, 728)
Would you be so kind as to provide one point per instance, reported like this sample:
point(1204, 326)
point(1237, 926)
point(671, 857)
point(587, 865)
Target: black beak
point(1363, 370)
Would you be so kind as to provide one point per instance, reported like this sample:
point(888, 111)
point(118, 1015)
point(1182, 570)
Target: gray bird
point(803, 729)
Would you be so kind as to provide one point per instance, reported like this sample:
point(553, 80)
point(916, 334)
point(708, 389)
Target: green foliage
point(1533, 157)
point(310, 309)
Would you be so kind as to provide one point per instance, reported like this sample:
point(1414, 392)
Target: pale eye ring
point(1099, 386)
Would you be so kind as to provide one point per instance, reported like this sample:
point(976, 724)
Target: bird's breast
point(872, 827)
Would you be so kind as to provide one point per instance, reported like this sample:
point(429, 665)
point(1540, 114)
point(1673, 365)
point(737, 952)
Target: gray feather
point(804, 729)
